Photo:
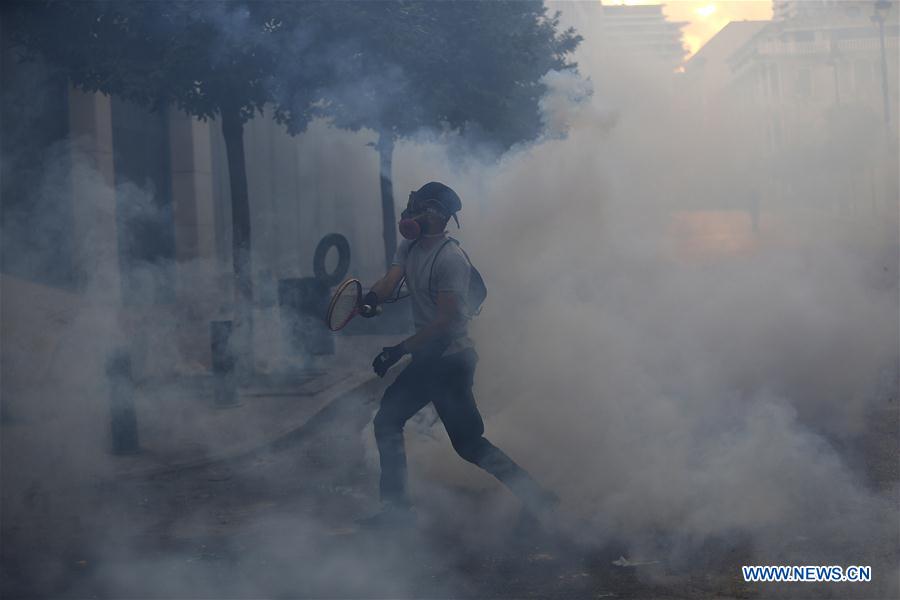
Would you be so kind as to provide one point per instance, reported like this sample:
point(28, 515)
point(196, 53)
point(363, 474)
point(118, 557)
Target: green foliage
point(201, 56)
point(473, 67)
point(394, 66)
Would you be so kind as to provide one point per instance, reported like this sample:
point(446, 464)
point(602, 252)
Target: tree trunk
point(385, 148)
point(233, 131)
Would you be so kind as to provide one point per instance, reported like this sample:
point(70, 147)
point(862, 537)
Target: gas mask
point(432, 199)
point(412, 219)
point(409, 225)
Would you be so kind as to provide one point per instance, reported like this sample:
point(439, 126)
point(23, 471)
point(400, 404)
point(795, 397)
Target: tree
point(471, 67)
point(395, 67)
point(211, 59)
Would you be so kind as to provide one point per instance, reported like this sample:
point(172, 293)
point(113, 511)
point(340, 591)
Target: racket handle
point(368, 308)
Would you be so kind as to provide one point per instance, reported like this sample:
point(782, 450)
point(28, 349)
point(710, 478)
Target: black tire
point(338, 241)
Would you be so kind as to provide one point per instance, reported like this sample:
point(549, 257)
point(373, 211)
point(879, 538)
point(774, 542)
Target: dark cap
point(434, 190)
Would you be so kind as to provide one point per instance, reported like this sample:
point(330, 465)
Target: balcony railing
point(822, 46)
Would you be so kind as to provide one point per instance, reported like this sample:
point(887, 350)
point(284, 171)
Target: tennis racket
point(347, 303)
point(344, 305)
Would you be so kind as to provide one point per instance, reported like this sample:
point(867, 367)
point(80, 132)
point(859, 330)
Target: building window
point(804, 83)
point(862, 75)
point(845, 77)
point(775, 133)
point(760, 81)
point(774, 87)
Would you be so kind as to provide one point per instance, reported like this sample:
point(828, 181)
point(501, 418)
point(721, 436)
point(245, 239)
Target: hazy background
point(682, 354)
point(700, 386)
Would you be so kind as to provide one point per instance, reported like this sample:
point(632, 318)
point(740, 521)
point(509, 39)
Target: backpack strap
point(431, 270)
point(474, 274)
point(434, 260)
point(397, 295)
point(474, 271)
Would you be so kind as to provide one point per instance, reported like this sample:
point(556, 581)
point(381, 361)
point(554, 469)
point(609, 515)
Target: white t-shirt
point(451, 273)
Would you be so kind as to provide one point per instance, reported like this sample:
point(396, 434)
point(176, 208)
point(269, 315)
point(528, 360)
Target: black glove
point(388, 358)
point(370, 300)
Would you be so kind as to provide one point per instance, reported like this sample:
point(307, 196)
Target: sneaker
point(392, 516)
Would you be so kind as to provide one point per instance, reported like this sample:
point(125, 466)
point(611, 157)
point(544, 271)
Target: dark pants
point(447, 382)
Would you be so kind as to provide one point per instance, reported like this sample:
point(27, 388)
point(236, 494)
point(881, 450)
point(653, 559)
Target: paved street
point(281, 524)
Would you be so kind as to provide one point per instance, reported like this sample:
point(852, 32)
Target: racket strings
point(344, 305)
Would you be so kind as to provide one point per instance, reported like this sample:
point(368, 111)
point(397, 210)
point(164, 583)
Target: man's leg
point(402, 399)
point(455, 404)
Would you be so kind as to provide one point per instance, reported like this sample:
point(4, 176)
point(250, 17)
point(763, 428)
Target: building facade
point(642, 33)
point(118, 216)
point(813, 98)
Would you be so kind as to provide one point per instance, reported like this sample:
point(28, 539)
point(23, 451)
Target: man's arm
point(384, 287)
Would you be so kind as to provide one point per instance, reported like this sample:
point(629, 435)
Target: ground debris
point(540, 557)
point(627, 562)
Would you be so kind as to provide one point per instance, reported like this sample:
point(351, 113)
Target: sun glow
point(705, 11)
point(705, 18)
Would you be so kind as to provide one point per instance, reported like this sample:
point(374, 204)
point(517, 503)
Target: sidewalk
point(181, 429)
point(179, 425)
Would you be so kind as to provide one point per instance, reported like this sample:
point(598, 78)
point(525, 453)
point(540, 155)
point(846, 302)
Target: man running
point(442, 369)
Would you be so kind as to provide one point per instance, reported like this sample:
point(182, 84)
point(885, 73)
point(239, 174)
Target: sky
point(707, 17)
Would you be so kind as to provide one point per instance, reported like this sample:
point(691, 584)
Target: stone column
point(94, 194)
point(195, 235)
point(192, 198)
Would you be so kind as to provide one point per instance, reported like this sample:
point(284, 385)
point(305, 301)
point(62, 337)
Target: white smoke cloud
point(700, 395)
point(662, 394)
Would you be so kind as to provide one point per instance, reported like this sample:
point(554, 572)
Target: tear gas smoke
point(701, 392)
point(705, 394)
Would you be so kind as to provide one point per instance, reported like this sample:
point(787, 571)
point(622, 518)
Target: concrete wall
point(302, 188)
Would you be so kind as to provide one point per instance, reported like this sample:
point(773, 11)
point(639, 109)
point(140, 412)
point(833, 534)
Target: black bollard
point(223, 363)
point(123, 419)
